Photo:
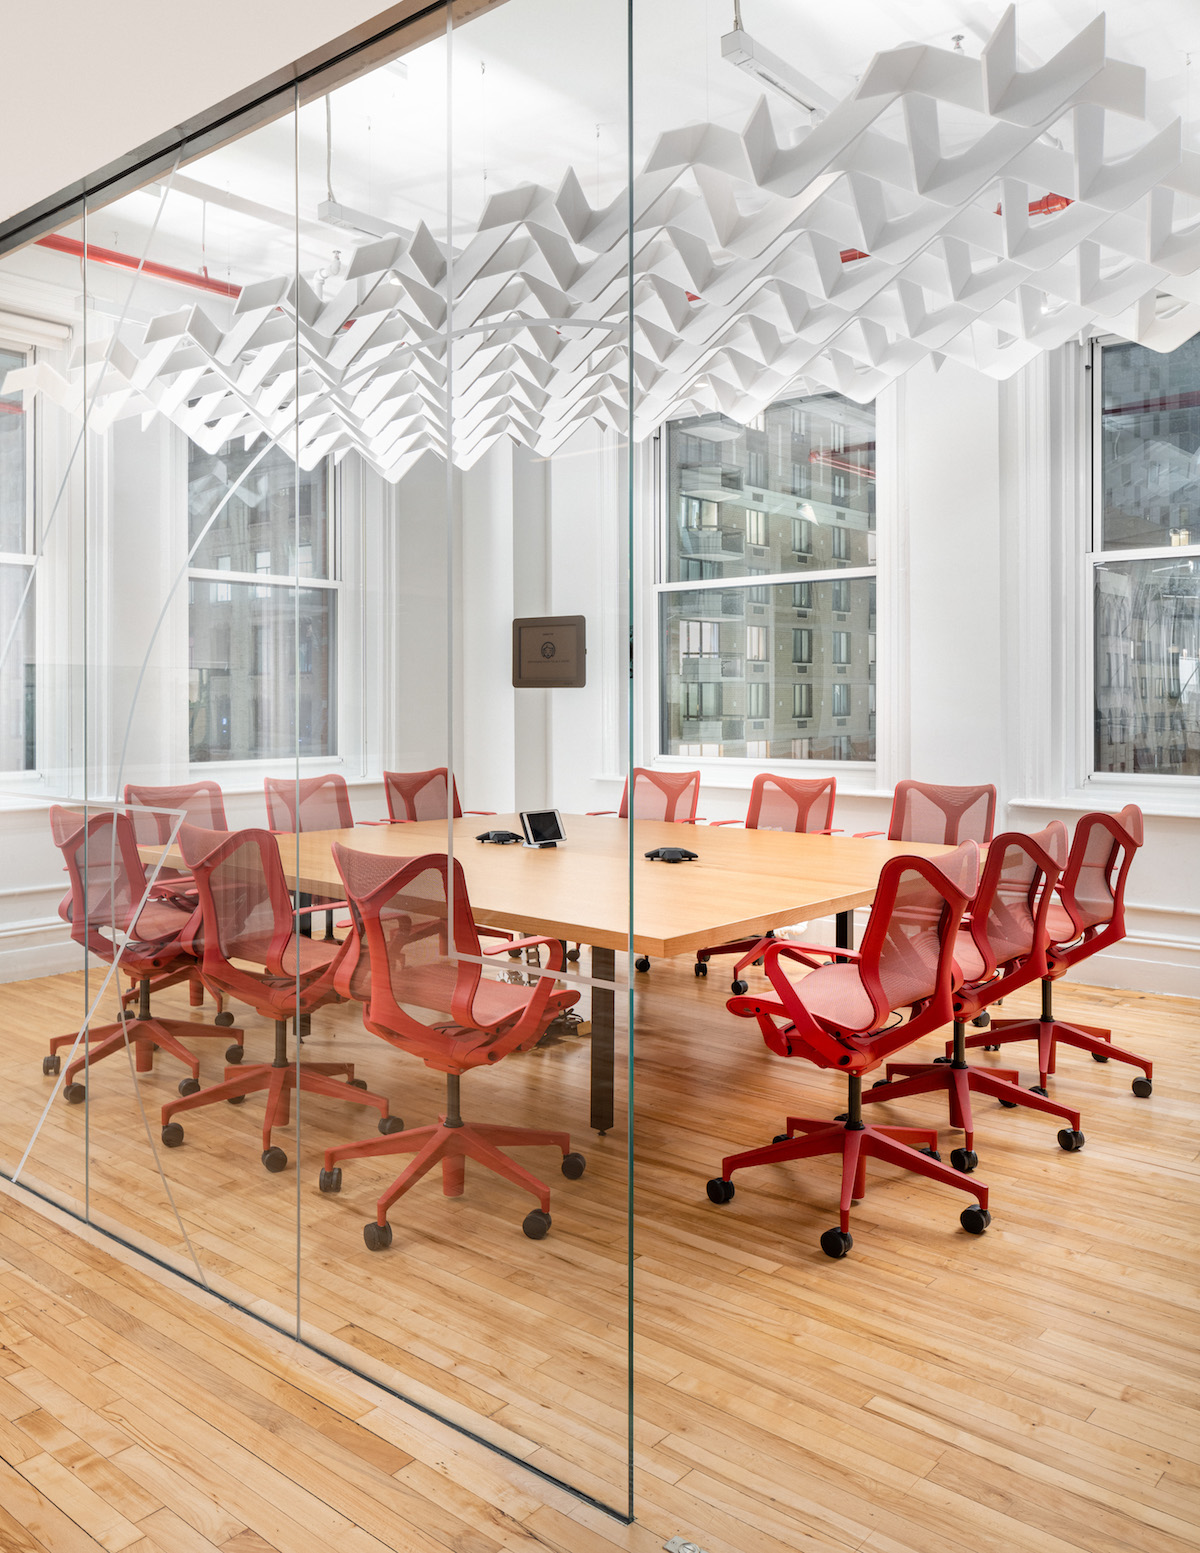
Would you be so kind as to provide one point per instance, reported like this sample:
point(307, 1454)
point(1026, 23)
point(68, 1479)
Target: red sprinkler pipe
point(127, 261)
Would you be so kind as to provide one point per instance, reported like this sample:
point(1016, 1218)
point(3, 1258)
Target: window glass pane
point(1151, 441)
point(770, 497)
point(243, 666)
point(255, 531)
point(760, 684)
point(1148, 667)
point(12, 458)
point(18, 722)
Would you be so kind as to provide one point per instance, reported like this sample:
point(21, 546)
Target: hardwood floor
point(1031, 1389)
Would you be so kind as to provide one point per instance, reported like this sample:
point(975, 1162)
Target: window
point(263, 649)
point(732, 512)
point(841, 700)
point(18, 669)
point(1146, 606)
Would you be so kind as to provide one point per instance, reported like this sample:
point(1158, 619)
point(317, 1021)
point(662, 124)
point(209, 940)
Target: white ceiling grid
point(742, 291)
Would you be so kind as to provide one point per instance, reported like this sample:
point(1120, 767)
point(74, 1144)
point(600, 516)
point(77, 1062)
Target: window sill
point(1112, 798)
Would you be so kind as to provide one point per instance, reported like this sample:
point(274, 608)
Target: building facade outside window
point(18, 670)
point(744, 509)
point(1145, 561)
point(262, 607)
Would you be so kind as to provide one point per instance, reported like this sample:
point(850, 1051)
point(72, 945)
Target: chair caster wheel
point(942, 1059)
point(720, 1191)
point(237, 1100)
point(536, 1224)
point(975, 1220)
point(739, 987)
point(964, 1160)
point(781, 1137)
point(700, 968)
point(881, 1083)
point(390, 1124)
point(1070, 1141)
point(642, 963)
point(1099, 1056)
point(75, 1094)
point(224, 1019)
point(930, 1154)
point(572, 954)
point(357, 1083)
point(1009, 1105)
point(274, 1159)
point(573, 1166)
point(234, 1054)
point(1039, 1089)
point(377, 1237)
point(189, 1086)
point(51, 1066)
point(172, 1135)
point(1142, 1088)
point(989, 1048)
point(330, 1180)
point(836, 1242)
point(981, 1021)
point(842, 1116)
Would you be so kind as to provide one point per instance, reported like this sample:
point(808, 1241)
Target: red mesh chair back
point(108, 886)
point(1093, 884)
point(928, 811)
point(202, 803)
point(1009, 913)
point(788, 803)
point(315, 803)
point(905, 946)
point(420, 795)
point(661, 795)
point(244, 900)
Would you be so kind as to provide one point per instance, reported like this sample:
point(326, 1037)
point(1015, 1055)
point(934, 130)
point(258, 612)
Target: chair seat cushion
point(834, 995)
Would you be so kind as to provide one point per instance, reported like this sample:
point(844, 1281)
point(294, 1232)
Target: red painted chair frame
point(807, 793)
point(469, 1040)
point(1091, 917)
point(297, 976)
point(120, 901)
point(929, 896)
point(955, 803)
point(1002, 947)
point(407, 791)
point(673, 785)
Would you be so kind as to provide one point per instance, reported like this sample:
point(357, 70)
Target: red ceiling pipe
point(817, 456)
point(127, 261)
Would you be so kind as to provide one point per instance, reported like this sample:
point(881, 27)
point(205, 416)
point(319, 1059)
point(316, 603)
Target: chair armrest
point(592, 814)
point(861, 835)
point(480, 811)
point(303, 911)
point(727, 822)
point(381, 822)
point(794, 951)
point(527, 943)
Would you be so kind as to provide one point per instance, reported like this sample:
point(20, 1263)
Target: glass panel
point(13, 473)
point(790, 677)
point(1148, 667)
point(794, 491)
point(1151, 439)
point(254, 669)
point(18, 671)
point(255, 512)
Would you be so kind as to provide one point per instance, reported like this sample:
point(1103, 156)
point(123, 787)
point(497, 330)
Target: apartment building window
point(18, 668)
point(841, 647)
point(702, 701)
point(1145, 561)
point(263, 647)
point(728, 506)
point(841, 700)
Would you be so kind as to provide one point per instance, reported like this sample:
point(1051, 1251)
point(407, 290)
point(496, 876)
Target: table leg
point(603, 1039)
point(845, 930)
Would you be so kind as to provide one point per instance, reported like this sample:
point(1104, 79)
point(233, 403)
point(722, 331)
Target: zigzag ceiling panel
point(947, 207)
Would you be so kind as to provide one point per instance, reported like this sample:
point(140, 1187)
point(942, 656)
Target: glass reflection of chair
point(248, 918)
point(401, 910)
point(113, 915)
point(1001, 947)
point(1088, 916)
point(312, 803)
point(838, 1017)
point(657, 795)
point(154, 811)
point(776, 803)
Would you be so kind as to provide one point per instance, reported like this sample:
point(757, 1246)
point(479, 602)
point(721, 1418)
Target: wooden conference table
point(743, 882)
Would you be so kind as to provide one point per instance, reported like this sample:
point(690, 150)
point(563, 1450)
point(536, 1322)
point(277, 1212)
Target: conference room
point(583, 585)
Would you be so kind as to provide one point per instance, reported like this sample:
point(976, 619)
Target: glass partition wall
point(315, 518)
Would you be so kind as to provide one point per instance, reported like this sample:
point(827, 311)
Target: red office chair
point(657, 795)
point(927, 811)
point(837, 1017)
point(776, 803)
point(1001, 946)
point(248, 918)
point(315, 803)
point(422, 795)
point(1088, 916)
point(202, 803)
point(401, 909)
point(109, 897)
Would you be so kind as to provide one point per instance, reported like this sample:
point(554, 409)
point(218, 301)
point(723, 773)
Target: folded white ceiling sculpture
point(931, 213)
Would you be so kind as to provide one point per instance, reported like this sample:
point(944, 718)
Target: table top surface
point(743, 882)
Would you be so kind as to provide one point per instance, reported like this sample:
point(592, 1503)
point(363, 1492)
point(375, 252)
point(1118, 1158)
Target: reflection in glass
point(13, 457)
point(1147, 635)
point(781, 673)
point(18, 673)
point(1151, 435)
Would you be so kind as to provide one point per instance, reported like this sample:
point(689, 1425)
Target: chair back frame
point(1046, 854)
point(813, 798)
point(677, 788)
point(287, 798)
point(1092, 933)
point(956, 804)
point(407, 790)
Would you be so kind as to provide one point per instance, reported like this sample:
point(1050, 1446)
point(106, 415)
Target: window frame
point(16, 778)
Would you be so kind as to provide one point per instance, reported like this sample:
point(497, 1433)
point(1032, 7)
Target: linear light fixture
point(740, 49)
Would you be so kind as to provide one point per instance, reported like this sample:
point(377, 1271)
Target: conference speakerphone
point(542, 827)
